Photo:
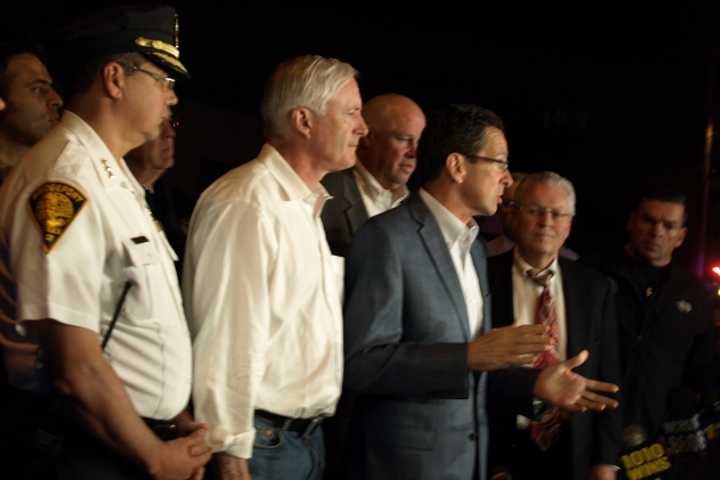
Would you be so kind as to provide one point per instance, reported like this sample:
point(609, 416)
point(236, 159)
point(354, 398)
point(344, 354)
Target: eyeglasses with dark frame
point(503, 164)
point(164, 81)
point(537, 211)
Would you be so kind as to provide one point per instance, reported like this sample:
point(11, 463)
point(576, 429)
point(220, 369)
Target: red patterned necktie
point(546, 431)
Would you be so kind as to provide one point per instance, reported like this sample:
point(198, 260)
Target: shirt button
point(472, 437)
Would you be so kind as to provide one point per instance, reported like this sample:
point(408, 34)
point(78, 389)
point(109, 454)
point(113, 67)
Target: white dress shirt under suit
point(376, 198)
point(459, 239)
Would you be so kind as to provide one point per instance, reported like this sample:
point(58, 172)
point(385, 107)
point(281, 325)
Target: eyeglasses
point(503, 164)
point(164, 81)
point(536, 211)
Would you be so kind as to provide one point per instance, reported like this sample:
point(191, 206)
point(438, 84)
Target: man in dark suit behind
point(583, 318)
point(418, 334)
point(377, 182)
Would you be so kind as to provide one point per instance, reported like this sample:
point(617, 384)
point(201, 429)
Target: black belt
point(165, 429)
point(302, 426)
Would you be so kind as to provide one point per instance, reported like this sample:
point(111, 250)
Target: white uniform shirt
point(376, 198)
point(111, 239)
point(263, 297)
point(459, 239)
point(526, 294)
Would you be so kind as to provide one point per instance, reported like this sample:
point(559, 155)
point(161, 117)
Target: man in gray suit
point(386, 159)
point(418, 335)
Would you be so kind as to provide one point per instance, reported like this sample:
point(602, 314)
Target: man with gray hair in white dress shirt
point(261, 286)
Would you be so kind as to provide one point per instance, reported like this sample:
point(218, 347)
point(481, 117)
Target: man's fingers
point(598, 386)
point(197, 450)
point(523, 329)
point(197, 444)
point(528, 349)
point(590, 405)
point(599, 401)
point(524, 333)
point(522, 360)
point(575, 408)
point(199, 474)
point(577, 360)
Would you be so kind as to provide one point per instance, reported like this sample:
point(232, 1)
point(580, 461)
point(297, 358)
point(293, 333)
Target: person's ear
point(113, 78)
point(456, 168)
point(302, 121)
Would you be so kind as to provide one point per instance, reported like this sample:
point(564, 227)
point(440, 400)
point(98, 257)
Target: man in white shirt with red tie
point(533, 284)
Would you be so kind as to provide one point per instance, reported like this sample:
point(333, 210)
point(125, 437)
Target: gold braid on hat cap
point(158, 45)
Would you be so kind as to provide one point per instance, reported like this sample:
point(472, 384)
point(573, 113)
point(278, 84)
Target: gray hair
point(307, 81)
point(546, 177)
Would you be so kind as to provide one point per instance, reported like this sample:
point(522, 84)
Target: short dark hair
point(662, 193)
point(12, 49)
point(452, 129)
point(79, 75)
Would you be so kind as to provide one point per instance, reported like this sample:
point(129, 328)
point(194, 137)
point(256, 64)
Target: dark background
point(610, 99)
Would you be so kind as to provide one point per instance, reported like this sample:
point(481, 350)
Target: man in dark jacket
point(666, 329)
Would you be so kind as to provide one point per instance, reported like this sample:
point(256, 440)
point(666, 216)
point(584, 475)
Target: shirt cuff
point(240, 445)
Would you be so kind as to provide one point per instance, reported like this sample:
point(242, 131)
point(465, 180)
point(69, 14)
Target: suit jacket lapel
point(576, 316)
point(355, 213)
point(437, 250)
point(479, 258)
point(503, 309)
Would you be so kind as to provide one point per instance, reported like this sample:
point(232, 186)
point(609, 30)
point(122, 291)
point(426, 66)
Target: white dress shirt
point(111, 239)
point(263, 299)
point(376, 198)
point(459, 239)
point(526, 294)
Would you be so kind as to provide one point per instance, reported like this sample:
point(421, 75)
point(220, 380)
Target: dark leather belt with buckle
point(302, 426)
point(165, 429)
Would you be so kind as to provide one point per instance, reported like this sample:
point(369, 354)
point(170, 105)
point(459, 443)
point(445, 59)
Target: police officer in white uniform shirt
point(79, 247)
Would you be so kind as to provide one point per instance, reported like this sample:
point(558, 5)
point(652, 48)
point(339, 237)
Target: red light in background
point(714, 270)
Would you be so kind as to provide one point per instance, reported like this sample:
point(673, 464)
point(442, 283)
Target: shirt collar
point(374, 189)
point(111, 170)
point(294, 186)
point(453, 229)
point(522, 266)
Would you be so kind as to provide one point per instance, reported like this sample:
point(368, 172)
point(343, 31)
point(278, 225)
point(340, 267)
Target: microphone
point(684, 427)
point(642, 460)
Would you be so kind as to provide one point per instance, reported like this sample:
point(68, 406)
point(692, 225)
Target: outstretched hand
point(562, 387)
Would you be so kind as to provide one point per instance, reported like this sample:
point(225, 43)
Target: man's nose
point(54, 101)
point(361, 129)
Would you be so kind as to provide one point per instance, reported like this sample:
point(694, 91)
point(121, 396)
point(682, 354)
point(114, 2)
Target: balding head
point(388, 152)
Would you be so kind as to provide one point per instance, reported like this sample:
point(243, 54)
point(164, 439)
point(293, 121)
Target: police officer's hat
point(150, 31)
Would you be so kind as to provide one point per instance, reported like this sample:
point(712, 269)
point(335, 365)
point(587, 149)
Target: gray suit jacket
point(344, 213)
point(420, 413)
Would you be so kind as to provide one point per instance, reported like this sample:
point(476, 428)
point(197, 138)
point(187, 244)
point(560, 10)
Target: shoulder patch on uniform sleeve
point(54, 205)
